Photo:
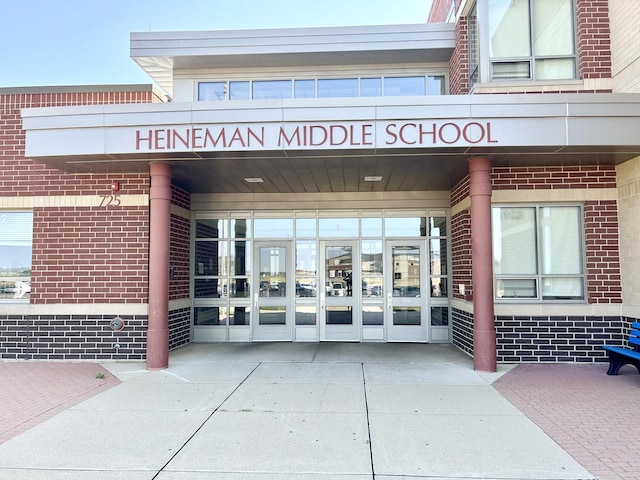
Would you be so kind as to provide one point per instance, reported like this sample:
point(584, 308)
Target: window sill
point(528, 86)
point(535, 301)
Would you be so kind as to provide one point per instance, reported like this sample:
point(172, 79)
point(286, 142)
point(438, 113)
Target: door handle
point(255, 300)
point(389, 300)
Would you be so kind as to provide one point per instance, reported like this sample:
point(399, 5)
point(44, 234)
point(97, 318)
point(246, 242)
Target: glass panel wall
point(372, 315)
point(305, 89)
point(338, 227)
point(273, 275)
point(405, 227)
point(264, 89)
point(338, 271)
point(371, 87)
point(306, 315)
point(436, 86)
point(406, 316)
point(372, 269)
point(406, 271)
point(273, 315)
point(212, 91)
point(306, 268)
point(337, 87)
point(239, 91)
point(393, 85)
point(404, 86)
point(439, 316)
point(222, 267)
point(438, 256)
point(222, 271)
point(273, 228)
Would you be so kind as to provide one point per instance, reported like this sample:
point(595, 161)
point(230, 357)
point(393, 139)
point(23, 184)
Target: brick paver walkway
point(31, 392)
point(588, 413)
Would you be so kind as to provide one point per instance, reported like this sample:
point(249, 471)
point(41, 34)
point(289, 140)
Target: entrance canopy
point(335, 145)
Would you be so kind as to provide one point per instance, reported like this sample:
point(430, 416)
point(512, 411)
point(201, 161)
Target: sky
point(86, 42)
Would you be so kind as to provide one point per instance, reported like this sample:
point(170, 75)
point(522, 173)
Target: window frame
point(21, 294)
point(539, 276)
point(473, 45)
point(224, 90)
point(486, 62)
point(225, 238)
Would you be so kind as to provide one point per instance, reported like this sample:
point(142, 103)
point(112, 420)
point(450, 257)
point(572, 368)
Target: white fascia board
point(366, 108)
point(517, 120)
point(271, 41)
point(84, 116)
point(48, 118)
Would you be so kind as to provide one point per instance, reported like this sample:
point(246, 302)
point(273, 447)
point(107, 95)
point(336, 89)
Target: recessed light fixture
point(253, 180)
point(372, 179)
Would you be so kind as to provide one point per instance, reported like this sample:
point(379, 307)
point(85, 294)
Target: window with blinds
point(538, 252)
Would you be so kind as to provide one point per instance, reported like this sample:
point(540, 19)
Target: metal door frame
point(278, 332)
point(336, 332)
point(407, 333)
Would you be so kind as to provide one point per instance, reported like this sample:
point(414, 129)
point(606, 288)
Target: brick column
point(159, 235)
point(484, 332)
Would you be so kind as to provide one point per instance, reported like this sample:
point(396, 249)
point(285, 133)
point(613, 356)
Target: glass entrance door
point(273, 292)
point(340, 295)
point(406, 308)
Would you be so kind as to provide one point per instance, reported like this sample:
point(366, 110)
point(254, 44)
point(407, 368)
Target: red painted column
point(159, 235)
point(484, 332)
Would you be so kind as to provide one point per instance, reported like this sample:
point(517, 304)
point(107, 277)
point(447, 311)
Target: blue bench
point(620, 356)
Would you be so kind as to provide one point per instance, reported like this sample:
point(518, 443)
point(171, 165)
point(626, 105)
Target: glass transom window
point(272, 89)
point(388, 86)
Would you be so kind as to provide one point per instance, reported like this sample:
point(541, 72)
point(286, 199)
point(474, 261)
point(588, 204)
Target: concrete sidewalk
point(293, 411)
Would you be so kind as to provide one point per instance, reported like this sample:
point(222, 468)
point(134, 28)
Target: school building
point(473, 179)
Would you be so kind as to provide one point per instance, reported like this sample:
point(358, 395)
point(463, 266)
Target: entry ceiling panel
point(375, 173)
point(317, 174)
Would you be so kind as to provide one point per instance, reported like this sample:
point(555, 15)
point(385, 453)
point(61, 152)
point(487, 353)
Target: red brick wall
point(602, 252)
point(179, 249)
point(439, 11)
point(460, 191)
point(594, 43)
point(90, 255)
point(600, 224)
point(81, 254)
point(461, 255)
point(461, 243)
point(21, 176)
point(553, 178)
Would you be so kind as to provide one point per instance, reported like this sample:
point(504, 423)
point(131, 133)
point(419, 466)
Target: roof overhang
point(160, 54)
point(296, 146)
